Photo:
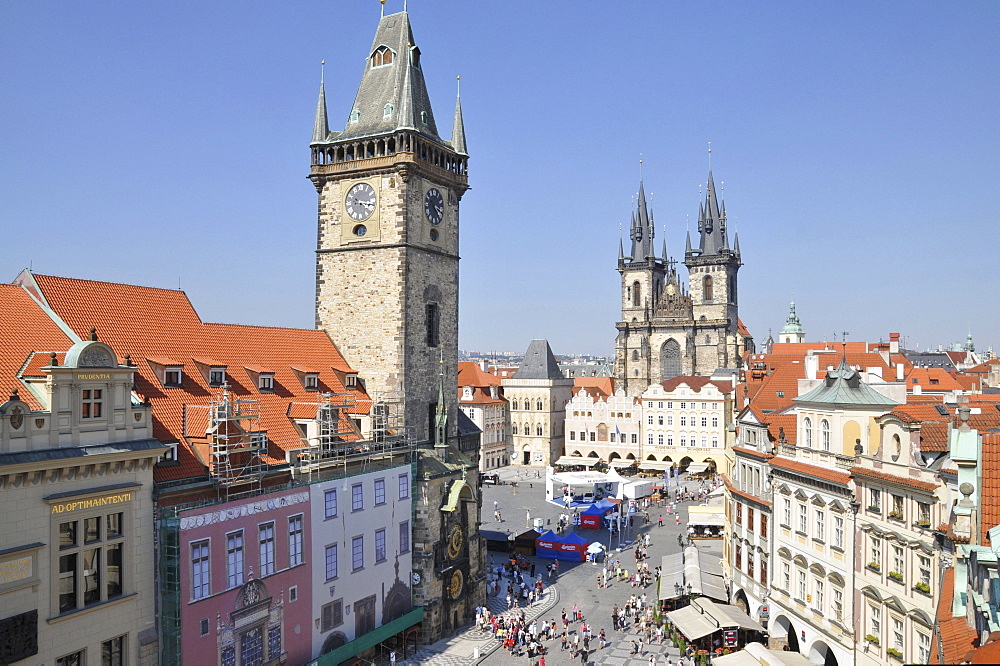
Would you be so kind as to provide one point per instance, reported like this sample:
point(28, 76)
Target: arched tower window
point(538, 405)
point(382, 56)
point(513, 405)
point(513, 429)
point(433, 324)
point(707, 288)
point(824, 429)
point(538, 430)
point(635, 354)
point(670, 360)
point(636, 294)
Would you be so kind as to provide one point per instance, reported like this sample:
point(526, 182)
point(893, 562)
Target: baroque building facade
point(538, 394)
point(668, 327)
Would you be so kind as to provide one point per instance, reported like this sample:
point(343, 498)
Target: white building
point(480, 398)
point(603, 426)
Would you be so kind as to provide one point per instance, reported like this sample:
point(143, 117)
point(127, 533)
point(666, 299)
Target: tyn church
point(669, 328)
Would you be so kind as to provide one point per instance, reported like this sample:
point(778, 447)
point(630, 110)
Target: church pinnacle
point(458, 128)
point(642, 229)
point(321, 127)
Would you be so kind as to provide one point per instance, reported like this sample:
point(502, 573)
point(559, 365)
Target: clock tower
point(387, 294)
point(387, 239)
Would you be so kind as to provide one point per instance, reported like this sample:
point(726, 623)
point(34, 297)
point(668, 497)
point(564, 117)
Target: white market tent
point(575, 460)
point(697, 468)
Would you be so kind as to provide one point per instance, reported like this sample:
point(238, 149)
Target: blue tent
point(572, 548)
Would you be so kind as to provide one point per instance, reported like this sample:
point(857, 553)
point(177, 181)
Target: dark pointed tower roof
point(321, 127)
point(392, 94)
point(458, 127)
point(712, 222)
point(621, 251)
point(642, 229)
point(539, 362)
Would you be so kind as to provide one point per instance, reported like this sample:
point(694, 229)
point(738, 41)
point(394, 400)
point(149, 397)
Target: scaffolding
point(333, 437)
point(236, 443)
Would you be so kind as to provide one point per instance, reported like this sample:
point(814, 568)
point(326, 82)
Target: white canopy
point(697, 468)
point(573, 460)
point(618, 463)
point(661, 466)
point(706, 519)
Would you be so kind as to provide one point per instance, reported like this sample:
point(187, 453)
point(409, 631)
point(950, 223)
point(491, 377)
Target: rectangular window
point(923, 648)
point(234, 558)
point(331, 561)
point(266, 534)
point(404, 536)
point(750, 525)
point(572, 435)
point(923, 514)
point(670, 419)
point(265, 381)
point(763, 526)
point(897, 507)
point(876, 500)
point(199, 570)
point(876, 553)
point(739, 557)
point(704, 422)
point(787, 512)
point(684, 421)
point(358, 553)
point(838, 604)
point(649, 439)
point(295, 541)
point(357, 497)
point(684, 405)
point(715, 421)
point(649, 420)
point(593, 436)
point(897, 560)
point(786, 576)
point(925, 571)
point(802, 585)
point(75, 659)
point(897, 634)
point(659, 440)
point(750, 569)
point(217, 376)
point(433, 323)
point(380, 545)
point(635, 438)
point(330, 503)
point(803, 518)
point(875, 621)
point(113, 652)
point(670, 440)
point(763, 570)
point(838, 532)
point(379, 491)
point(660, 420)
point(172, 375)
point(91, 404)
point(820, 525)
point(333, 615)
point(818, 596)
point(404, 486)
point(670, 404)
point(739, 513)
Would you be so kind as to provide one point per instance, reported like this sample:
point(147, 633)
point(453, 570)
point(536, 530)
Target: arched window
point(525, 430)
point(387, 111)
point(513, 405)
point(670, 360)
point(538, 405)
point(635, 354)
point(707, 288)
point(513, 429)
point(807, 427)
point(636, 294)
point(824, 429)
point(382, 56)
point(538, 430)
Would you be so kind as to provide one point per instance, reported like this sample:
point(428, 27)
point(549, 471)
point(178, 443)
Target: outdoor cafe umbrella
point(595, 547)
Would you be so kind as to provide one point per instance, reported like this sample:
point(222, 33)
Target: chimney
point(900, 372)
point(482, 364)
point(812, 365)
point(894, 343)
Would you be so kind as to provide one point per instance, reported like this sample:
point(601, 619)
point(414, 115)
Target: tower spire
point(321, 127)
point(441, 417)
point(458, 128)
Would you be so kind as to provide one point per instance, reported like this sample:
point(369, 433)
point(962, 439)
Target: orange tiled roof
point(917, 484)
point(27, 329)
point(931, 380)
point(778, 421)
point(990, 497)
point(470, 374)
point(808, 469)
point(597, 394)
point(696, 384)
point(606, 385)
point(146, 323)
point(753, 453)
point(957, 638)
point(480, 396)
point(739, 493)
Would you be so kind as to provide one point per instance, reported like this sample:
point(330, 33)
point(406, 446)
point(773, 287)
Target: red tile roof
point(957, 638)
point(810, 470)
point(606, 385)
point(597, 394)
point(739, 493)
point(696, 384)
point(480, 396)
point(150, 323)
point(909, 482)
point(990, 496)
point(27, 329)
point(470, 374)
point(931, 380)
point(753, 453)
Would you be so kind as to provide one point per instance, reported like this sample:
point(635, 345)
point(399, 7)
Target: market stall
point(571, 548)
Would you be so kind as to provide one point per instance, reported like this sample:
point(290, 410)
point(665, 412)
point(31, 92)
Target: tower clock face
point(434, 206)
point(360, 202)
point(455, 538)
point(455, 584)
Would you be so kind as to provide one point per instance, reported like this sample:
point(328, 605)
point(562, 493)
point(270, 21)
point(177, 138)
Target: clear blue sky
point(159, 142)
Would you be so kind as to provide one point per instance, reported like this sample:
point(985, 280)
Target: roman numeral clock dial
point(360, 204)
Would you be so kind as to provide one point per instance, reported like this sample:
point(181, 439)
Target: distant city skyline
point(167, 145)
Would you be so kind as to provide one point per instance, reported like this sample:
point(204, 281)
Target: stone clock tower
point(387, 294)
point(387, 251)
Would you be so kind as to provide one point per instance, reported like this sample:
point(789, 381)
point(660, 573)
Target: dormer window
point(92, 404)
point(387, 111)
point(466, 393)
point(383, 56)
point(351, 381)
point(172, 375)
point(312, 381)
point(217, 376)
point(265, 381)
point(355, 116)
point(423, 117)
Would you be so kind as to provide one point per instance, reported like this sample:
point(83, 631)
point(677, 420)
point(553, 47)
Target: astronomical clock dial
point(360, 202)
point(455, 584)
point(455, 539)
point(415, 577)
point(434, 206)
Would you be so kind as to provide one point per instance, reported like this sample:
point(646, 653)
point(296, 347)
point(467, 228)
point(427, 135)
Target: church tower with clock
point(387, 259)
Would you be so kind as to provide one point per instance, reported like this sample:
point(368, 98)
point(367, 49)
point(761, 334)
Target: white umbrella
point(595, 547)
